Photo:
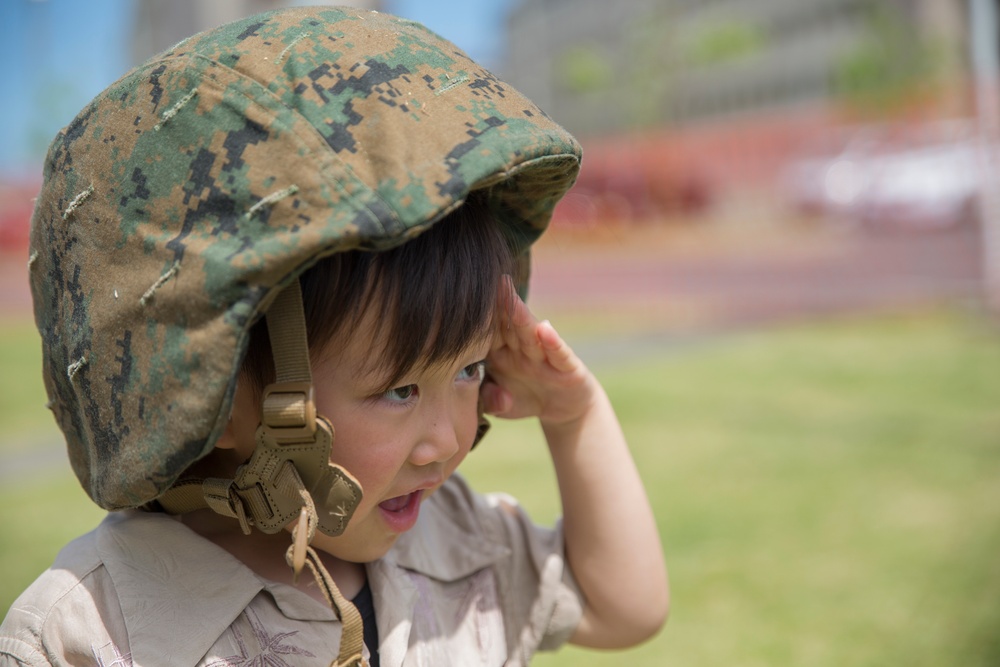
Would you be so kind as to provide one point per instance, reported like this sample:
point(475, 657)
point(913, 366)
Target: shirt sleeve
point(538, 578)
point(16, 653)
point(541, 602)
point(65, 615)
point(475, 582)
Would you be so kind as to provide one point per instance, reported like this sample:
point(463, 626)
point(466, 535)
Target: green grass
point(39, 515)
point(22, 394)
point(827, 495)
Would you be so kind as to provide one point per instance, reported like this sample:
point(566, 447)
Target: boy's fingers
point(518, 325)
point(521, 332)
point(558, 353)
point(529, 343)
point(507, 300)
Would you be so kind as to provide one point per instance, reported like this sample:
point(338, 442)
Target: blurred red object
point(16, 207)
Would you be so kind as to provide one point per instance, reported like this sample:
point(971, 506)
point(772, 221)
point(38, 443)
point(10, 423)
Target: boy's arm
point(612, 542)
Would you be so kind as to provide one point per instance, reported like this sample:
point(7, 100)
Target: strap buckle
point(288, 412)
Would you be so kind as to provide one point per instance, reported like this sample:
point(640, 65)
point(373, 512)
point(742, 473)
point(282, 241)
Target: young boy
point(299, 225)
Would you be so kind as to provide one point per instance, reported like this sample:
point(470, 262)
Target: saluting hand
point(532, 371)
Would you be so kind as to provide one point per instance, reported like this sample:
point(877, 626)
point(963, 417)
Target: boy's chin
point(347, 550)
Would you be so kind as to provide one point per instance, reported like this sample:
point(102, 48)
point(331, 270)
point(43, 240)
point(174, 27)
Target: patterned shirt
point(474, 583)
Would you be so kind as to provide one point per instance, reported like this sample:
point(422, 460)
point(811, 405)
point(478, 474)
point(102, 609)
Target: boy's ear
point(243, 419)
point(228, 438)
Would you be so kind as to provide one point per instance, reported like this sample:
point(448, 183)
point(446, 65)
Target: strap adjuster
point(288, 412)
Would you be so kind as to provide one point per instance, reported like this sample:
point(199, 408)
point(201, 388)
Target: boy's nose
point(438, 442)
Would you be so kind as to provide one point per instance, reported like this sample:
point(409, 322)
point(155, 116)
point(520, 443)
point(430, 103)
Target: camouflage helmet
point(184, 198)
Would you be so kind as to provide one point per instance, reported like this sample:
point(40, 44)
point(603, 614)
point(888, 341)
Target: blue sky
point(55, 55)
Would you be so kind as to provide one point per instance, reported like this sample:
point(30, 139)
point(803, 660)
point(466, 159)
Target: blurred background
point(859, 131)
point(782, 257)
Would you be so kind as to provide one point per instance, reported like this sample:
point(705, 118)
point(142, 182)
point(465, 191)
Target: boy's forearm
point(612, 541)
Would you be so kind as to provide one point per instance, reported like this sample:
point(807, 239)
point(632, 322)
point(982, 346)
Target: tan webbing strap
point(286, 327)
point(220, 495)
point(300, 554)
point(183, 497)
point(292, 450)
point(289, 415)
point(352, 635)
point(289, 411)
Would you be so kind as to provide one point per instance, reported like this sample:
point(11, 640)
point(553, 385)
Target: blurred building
point(680, 103)
point(602, 67)
point(159, 25)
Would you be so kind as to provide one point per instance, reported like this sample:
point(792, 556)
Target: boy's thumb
point(496, 400)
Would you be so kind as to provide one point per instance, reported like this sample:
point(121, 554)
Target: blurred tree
point(890, 67)
point(584, 68)
point(647, 42)
point(724, 41)
point(658, 52)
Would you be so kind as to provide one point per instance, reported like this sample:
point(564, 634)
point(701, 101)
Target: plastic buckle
point(288, 412)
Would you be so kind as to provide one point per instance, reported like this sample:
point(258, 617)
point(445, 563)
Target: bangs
point(430, 299)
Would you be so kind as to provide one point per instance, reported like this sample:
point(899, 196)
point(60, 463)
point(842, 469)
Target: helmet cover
point(185, 196)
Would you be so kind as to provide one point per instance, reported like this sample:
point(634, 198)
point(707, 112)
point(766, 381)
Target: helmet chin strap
point(289, 475)
point(292, 440)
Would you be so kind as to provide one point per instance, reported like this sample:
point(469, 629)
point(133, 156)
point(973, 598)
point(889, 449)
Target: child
point(297, 225)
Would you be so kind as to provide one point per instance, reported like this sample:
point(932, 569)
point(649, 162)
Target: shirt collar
point(448, 543)
point(173, 583)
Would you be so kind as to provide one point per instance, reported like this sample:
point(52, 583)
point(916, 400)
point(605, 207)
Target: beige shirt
point(474, 583)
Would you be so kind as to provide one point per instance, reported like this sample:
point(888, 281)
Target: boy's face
point(402, 444)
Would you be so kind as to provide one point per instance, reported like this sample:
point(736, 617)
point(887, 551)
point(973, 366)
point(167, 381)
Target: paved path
point(749, 285)
point(742, 284)
point(683, 293)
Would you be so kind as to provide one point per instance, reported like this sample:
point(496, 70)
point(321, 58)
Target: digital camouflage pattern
point(186, 195)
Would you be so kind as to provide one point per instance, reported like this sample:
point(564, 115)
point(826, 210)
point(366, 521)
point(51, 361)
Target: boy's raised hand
point(532, 371)
point(611, 540)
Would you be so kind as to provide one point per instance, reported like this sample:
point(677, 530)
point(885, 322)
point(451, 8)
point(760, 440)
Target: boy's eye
point(400, 394)
point(476, 371)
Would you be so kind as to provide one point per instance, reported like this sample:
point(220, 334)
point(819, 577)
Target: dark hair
point(436, 295)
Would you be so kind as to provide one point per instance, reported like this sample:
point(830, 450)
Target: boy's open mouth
point(400, 513)
point(399, 503)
